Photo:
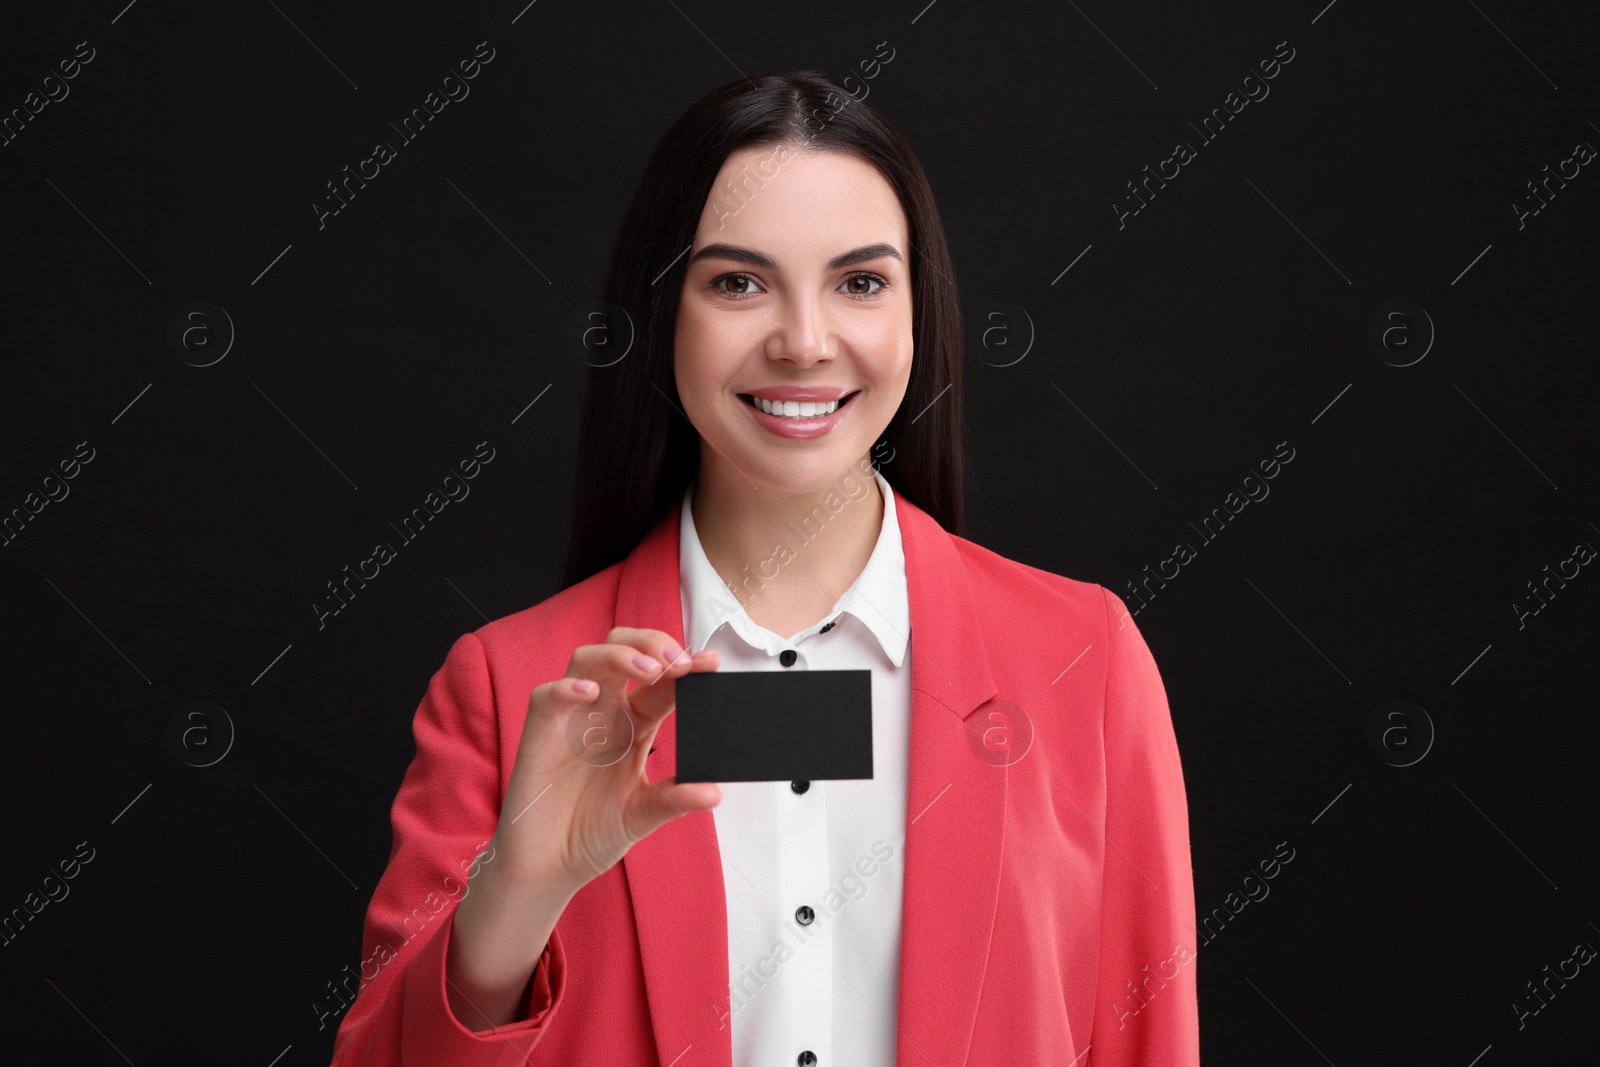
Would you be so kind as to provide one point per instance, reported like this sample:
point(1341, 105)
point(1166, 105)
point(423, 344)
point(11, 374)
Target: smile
point(797, 410)
point(800, 420)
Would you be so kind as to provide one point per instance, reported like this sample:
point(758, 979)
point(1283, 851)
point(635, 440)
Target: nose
point(803, 332)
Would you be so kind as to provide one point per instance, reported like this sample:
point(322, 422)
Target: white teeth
point(796, 409)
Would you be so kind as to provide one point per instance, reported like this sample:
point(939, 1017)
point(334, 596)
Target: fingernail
point(671, 652)
point(645, 663)
point(585, 685)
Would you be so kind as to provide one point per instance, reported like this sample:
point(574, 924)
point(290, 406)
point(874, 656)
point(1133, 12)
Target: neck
point(787, 557)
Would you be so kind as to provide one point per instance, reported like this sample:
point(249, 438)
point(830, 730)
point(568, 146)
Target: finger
point(614, 665)
point(682, 664)
point(651, 701)
point(552, 698)
point(667, 799)
point(658, 643)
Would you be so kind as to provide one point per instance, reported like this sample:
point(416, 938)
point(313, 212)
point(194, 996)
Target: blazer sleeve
point(1146, 1010)
point(445, 812)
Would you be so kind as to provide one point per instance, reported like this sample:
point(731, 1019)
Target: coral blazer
point(1048, 910)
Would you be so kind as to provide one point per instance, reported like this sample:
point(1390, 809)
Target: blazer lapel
point(955, 824)
point(955, 804)
point(675, 874)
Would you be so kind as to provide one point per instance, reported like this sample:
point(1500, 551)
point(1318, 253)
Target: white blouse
point(824, 981)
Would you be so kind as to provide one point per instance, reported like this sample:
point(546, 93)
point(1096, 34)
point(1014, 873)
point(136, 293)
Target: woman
point(1011, 886)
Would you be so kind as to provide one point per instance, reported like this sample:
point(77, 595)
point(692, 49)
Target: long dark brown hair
point(636, 453)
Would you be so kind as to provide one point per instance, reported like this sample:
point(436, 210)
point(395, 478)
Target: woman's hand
point(578, 798)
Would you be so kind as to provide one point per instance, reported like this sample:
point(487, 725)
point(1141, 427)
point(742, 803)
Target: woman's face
point(798, 289)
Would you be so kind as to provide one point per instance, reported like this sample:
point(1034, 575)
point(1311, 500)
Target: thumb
point(667, 799)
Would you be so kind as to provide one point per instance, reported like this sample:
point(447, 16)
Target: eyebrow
point(757, 259)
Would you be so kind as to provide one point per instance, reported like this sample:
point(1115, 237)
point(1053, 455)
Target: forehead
point(772, 198)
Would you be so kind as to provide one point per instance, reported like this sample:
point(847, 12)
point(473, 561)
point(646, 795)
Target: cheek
point(691, 349)
point(886, 343)
point(707, 338)
point(888, 347)
point(706, 351)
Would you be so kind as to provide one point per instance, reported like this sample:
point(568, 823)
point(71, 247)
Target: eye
point(742, 286)
point(852, 288)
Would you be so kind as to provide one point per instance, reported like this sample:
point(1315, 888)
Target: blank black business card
point(772, 726)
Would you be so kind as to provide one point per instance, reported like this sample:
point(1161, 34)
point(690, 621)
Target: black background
point(1180, 349)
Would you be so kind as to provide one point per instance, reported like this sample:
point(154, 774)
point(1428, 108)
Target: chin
point(816, 475)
